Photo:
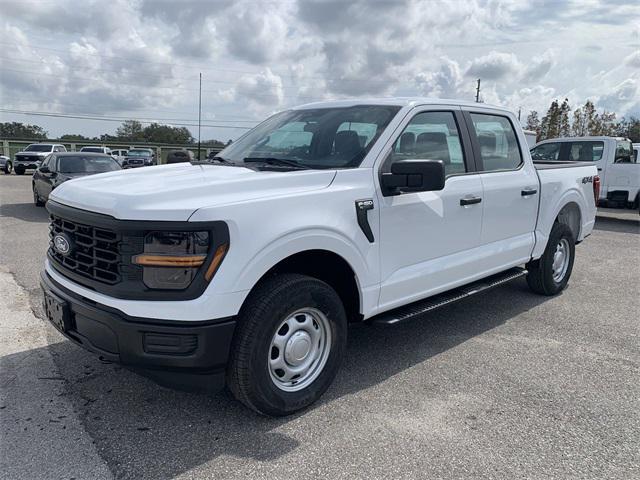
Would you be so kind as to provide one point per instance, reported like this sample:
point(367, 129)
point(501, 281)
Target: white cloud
point(143, 57)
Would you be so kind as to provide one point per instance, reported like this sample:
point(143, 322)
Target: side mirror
point(44, 169)
point(413, 176)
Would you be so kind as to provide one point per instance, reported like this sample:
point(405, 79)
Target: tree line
point(128, 131)
point(560, 121)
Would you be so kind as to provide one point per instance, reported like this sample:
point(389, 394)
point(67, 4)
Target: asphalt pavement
point(506, 384)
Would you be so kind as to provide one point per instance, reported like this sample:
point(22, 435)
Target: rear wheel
point(550, 273)
point(288, 345)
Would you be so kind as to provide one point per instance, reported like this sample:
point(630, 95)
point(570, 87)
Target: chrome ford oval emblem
point(62, 244)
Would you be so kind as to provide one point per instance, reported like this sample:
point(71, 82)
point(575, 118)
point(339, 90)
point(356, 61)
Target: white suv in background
point(32, 156)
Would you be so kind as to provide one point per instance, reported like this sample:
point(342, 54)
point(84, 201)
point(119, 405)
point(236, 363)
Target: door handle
point(470, 201)
point(528, 191)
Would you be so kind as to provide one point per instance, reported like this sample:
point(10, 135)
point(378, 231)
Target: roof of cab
point(582, 139)
point(396, 101)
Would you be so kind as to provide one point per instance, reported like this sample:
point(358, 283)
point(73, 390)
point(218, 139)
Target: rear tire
point(271, 344)
point(550, 274)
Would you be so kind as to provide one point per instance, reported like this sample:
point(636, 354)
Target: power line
point(109, 119)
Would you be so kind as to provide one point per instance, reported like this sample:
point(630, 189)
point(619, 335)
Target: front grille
point(26, 158)
point(135, 162)
point(94, 253)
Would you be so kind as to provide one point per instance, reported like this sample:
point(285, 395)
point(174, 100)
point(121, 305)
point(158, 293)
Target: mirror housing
point(413, 175)
point(44, 169)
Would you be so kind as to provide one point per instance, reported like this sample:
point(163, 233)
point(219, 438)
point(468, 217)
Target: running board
point(422, 306)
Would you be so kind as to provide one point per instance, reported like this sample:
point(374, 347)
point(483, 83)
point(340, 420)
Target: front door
point(427, 239)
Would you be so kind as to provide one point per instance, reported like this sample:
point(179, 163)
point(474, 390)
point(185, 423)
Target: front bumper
point(189, 356)
point(30, 165)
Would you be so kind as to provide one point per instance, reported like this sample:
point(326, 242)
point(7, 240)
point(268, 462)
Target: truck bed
point(551, 164)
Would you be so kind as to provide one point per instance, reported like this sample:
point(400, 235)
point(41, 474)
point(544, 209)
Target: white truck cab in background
point(615, 158)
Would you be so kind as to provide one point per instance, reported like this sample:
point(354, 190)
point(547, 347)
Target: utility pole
point(478, 92)
point(199, 114)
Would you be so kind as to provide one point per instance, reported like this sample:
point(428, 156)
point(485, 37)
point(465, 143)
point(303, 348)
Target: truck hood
point(174, 192)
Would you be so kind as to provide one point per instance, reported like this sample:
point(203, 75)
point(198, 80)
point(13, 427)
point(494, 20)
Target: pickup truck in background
point(31, 157)
point(247, 271)
point(614, 157)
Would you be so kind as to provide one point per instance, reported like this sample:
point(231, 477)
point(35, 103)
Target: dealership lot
point(501, 385)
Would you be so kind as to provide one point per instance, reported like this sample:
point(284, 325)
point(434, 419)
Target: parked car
point(636, 152)
point(180, 156)
point(248, 270)
point(58, 168)
point(119, 155)
point(5, 164)
point(94, 149)
point(619, 172)
point(139, 157)
point(31, 157)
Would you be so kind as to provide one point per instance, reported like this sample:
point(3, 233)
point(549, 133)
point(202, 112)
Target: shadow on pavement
point(618, 225)
point(146, 431)
point(27, 212)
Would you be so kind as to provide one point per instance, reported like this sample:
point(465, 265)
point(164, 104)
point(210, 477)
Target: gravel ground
point(503, 385)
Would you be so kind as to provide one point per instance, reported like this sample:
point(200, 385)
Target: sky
point(141, 59)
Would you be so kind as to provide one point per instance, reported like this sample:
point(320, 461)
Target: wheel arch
point(325, 265)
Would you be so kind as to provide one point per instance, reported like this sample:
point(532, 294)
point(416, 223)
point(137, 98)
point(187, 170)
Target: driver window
point(432, 136)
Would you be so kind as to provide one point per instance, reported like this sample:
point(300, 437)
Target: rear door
point(427, 239)
point(511, 189)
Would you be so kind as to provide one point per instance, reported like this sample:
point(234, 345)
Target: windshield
point(92, 149)
point(38, 148)
point(87, 164)
point(139, 153)
point(579, 151)
point(314, 138)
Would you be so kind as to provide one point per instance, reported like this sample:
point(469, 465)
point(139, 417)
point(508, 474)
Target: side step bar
point(422, 306)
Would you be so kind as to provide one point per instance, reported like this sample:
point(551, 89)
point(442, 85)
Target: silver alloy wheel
point(299, 349)
point(561, 260)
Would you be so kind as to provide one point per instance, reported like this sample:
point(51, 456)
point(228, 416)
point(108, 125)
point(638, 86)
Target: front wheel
point(288, 345)
point(38, 202)
point(550, 273)
point(7, 168)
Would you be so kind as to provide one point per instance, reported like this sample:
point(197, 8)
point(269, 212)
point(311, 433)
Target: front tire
point(8, 167)
point(38, 202)
point(550, 274)
point(288, 345)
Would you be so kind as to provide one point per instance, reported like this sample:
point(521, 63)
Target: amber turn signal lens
point(189, 261)
point(221, 251)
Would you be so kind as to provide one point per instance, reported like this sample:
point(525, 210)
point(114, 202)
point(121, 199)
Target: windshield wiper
point(221, 160)
point(276, 161)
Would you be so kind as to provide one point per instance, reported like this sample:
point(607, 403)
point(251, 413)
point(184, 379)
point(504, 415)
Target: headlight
point(171, 260)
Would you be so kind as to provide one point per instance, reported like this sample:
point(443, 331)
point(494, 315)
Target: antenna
point(199, 114)
point(478, 92)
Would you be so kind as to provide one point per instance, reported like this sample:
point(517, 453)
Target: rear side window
point(499, 149)
point(584, 151)
point(432, 136)
point(624, 151)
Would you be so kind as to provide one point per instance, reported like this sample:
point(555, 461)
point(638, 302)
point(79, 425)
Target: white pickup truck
point(247, 271)
point(615, 158)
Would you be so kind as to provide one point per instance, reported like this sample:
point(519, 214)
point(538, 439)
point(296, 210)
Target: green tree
point(22, 130)
point(130, 130)
point(629, 128)
point(74, 137)
point(156, 133)
point(533, 122)
point(550, 125)
point(592, 119)
point(579, 125)
point(564, 127)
